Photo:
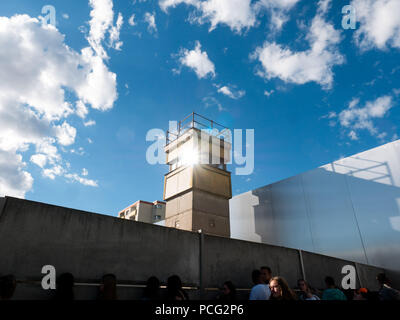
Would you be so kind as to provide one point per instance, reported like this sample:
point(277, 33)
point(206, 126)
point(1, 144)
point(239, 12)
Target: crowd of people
point(266, 287)
point(269, 287)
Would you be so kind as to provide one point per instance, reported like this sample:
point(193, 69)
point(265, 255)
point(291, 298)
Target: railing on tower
point(197, 121)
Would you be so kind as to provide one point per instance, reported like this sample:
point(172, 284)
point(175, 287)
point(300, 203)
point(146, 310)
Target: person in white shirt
point(260, 291)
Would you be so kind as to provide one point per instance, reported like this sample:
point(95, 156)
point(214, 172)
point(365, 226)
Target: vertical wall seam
point(201, 262)
point(355, 218)
point(303, 271)
point(308, 211)
point(3, 208)
point(358, 275)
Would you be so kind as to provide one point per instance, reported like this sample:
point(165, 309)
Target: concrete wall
point(348, 209)
point(89, 245)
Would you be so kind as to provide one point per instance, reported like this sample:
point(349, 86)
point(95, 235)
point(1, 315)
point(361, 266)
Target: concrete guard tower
point(197, 187)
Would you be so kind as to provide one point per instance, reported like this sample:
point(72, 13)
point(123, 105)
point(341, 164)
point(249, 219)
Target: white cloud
point(238, 15)
point(150, 19)
point(379, 23)
point(313, 65)
point(89, 123)
point(14, 181)
point(37, 67)
point(212, 102)
point(268, 93)
point(54, 171)
point(101, 24)
point(81, 109)
point(84, 181)
point(357, 118)
point(231, 93)
point(65, 16)
point(353, 135)
point(39, 159)
point(85, 172)
point(131, 20)
point(66, 134)
point(114, 33)
point(198, 61)
point(278, 10)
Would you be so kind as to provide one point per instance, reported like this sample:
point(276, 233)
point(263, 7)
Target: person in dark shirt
point(386, 292)
point(65, 287)
point(174, 289)
point(228, 292)
point(8, 284)
point(152, 290)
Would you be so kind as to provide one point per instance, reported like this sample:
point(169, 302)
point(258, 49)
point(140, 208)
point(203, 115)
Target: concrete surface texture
point(90, 245)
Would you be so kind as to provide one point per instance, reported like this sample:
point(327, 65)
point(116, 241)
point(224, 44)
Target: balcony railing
point(196, 121)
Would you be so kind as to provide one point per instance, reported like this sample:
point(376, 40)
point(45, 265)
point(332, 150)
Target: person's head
point(8, 284)
point(280, 289)
point(360, 294)
point(303, 285)
point(330, 283)
point(229, 289)
point(382, 279)
point(65, 284)
point(174, 283)
point(109, 287)
point(256, 277)
point(152, 287)
point(266, 274)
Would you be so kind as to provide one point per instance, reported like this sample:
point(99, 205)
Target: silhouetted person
point(228, 292)
point(108, 288)
point(266, 274)
point(8, 284)
point(260, 291)
point(65, 287)
point(152, 290)
point(306, 292)
point(174, 289)
point(361, 294)
point(332, 292)
point(386, 292)
point(280, 290)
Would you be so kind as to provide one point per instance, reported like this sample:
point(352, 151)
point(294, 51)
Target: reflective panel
point(347, 209)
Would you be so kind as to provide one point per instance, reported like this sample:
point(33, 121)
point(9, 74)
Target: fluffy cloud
point(101, 25)
point(66, 134)
point(278, 10)
point(312, 65)
point(238, 15)
point(150, 19)
point(197, 60)
point(356, 117)
point(379, 23)
point(231, 92)
point(37, 67)
point(13, 179)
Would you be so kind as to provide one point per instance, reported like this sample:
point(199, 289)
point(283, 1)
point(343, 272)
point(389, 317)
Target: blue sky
point(312, 91)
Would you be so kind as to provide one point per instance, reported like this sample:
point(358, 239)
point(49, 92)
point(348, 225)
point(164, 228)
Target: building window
point(177, 224)
point(157, 217)
point(158, 206)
